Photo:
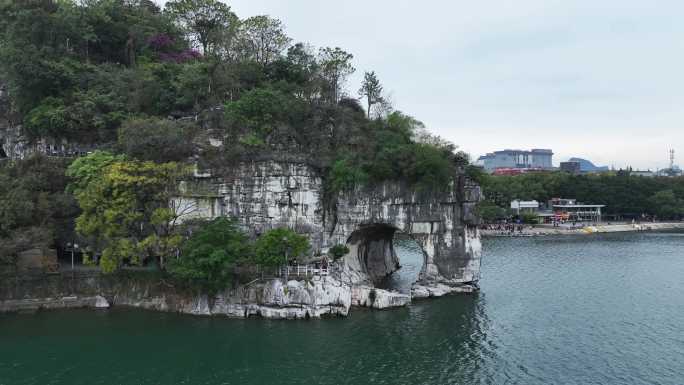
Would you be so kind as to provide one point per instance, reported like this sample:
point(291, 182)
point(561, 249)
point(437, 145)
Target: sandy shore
point(540, 230)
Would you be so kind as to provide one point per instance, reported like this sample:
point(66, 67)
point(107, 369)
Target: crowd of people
point(504, 228)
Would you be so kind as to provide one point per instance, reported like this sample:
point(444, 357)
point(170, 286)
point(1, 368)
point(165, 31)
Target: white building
point(524, 206)
point(536, 158)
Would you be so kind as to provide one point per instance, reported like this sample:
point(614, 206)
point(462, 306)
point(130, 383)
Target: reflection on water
point(411, 260)
point(553, 310)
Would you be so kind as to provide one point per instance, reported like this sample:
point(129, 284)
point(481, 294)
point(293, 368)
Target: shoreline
point(545, 230)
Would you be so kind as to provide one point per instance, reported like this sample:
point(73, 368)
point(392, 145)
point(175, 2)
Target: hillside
point(149, 92)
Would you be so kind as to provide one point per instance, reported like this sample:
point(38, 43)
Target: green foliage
point(49, 46)
point(390, 153)
point(338, 251)
point(371, 90)
point(119, 74)
point(157, 140)
point(346, 176)
point(88, 170)
point(209, 255)
point(336, 66)
point(529, 218)
point(206, 21)
point(476, 173)
point(262, 39)
point(489, 211)
point(666, 205)
point(34, 209)
point(125, 209)
point(621, 193)
point(277, 246)
point(261, 112)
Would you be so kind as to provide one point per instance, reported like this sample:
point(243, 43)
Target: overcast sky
point(603, 80)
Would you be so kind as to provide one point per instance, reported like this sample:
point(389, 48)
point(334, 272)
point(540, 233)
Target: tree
point(336, 66)
point(277, 246)
point(35, 211)
point(263, 39)
point(489, 211)
point(209, 255)
point(204, 20)
point(371, 90)
point(157, 140)
point(338, 251)
point(126, 209)
point(666, 205)
point(256, 117)
point(88, 170)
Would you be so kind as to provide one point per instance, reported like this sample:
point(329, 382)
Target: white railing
point(303, 271)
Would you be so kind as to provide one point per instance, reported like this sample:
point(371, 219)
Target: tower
point(672, 153)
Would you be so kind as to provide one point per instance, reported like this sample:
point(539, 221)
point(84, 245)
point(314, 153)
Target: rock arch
point(268, 194)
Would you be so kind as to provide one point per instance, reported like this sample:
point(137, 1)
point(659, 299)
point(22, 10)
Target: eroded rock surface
point(268, 194)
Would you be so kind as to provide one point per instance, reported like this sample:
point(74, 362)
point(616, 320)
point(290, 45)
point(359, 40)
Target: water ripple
point(554, 310)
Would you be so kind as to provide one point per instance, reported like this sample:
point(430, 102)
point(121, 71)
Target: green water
point(551, 311)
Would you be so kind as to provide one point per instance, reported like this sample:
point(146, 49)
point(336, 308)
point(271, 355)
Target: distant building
point(571, 210)
point(671, 172)
point(517, 159)
point(571, 167)
point(644, 173)
point(516, 171)
point(587, 166)
point(524, 206)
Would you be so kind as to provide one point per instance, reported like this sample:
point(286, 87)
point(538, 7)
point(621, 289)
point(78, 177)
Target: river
point(600, 309)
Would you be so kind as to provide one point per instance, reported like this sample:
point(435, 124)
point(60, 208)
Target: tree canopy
point(208, 257)
point(277, 246)
point(157, 90)
point(126, 214)
point(622, 193)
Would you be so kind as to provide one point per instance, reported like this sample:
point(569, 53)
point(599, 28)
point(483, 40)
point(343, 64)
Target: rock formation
point(268, 194)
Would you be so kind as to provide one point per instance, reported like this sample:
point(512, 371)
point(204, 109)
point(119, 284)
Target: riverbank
point(314, 297)
point(544, 230)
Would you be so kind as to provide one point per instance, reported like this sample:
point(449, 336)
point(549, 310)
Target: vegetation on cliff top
point(97, 71)
point(160, 88)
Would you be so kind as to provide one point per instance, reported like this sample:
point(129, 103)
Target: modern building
point(588, 166)
point(517, 159)
point(670, 171)
point(571, 210)
point(644, 173)
point(524, 206)
point(571, 167)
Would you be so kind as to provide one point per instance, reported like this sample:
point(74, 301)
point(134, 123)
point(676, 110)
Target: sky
point(601, 80)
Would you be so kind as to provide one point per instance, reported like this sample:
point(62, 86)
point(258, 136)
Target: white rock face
point(366, 296)
point(267, 194)
point(439, 290)
point(101, 302)
point(295, 300)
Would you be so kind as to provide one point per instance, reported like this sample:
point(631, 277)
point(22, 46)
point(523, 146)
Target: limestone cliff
point(312, 298)
point(267, 194)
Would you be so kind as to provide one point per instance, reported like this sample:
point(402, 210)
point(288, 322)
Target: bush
point(208, 257)
point(489, 211)
point(277, 246)
point(154, 139)
point(338, 251)
point(529, 218)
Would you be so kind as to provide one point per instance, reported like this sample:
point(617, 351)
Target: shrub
point(208, 257)
point(154, 139)
point(529, 218)
point(277, 246)
point(338, 251)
